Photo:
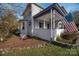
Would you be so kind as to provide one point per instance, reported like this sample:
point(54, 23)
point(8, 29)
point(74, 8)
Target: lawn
point(34, 47)
point(47, 50)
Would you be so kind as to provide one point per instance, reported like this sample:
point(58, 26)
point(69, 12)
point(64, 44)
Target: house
point(45, 23)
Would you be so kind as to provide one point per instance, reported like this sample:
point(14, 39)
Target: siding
point(42, 33)
point(35, 9)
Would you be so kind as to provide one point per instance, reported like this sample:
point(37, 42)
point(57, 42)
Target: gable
point(32, 8)
point(36, 9)
point(27, 11)
point(54, 6)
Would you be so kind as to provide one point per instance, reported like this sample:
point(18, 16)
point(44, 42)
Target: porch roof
point(53, 6)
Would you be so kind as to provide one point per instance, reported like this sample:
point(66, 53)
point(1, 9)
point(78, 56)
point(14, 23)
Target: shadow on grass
point(63, 45)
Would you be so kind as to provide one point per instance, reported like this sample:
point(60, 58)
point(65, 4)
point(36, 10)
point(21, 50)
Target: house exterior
point(43, 23)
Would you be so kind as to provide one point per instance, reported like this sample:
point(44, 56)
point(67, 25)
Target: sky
point(20, 7)
point(68, 6)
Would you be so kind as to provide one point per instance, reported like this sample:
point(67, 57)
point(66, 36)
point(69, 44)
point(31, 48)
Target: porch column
point(54, 30)
point(32, 25)
point(51, 26)
point(21, 26)
point(44, 24)
point(38, 24)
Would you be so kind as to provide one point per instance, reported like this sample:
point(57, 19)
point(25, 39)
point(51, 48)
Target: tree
point(3, 31)
point(11, 22)
point(76, 16)
point(8, 23)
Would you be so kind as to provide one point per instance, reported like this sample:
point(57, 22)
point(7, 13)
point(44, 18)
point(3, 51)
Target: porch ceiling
point(45, 17)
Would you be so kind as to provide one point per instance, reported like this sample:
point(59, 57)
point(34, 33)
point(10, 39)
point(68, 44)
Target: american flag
point(69, 26)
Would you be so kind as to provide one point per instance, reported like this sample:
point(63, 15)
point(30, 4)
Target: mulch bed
point(15, 42)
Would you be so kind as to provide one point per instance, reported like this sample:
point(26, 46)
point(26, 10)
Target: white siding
point(35, 9)
point(27, 17)
point(24, 31)
point(36, 24)
point(58, 16)
point(42, 33)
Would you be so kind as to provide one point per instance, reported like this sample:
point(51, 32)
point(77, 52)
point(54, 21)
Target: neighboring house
point(44, 23)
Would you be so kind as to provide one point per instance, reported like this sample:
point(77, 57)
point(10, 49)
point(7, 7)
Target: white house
point(43, 23)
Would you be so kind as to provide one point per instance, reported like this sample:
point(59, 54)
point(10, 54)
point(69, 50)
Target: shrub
point(16, 32)
point(68, 38)
point(8, 25)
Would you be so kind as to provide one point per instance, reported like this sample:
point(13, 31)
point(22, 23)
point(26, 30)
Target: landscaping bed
point(15, 42)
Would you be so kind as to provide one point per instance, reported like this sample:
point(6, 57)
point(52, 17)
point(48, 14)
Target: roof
point(63, 9)
point(53, 6)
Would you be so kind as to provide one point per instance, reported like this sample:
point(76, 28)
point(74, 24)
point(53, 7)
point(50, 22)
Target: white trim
point(51, 23)
point(53, 19)
point(32, 20)
point(54, 29)
point(44, 24)
point(32, 24)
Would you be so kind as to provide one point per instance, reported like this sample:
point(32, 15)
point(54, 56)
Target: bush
point(8, 24)
point(68, 38)
point(16, 32)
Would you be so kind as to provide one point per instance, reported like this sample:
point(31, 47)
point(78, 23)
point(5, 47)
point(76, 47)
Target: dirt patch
point(16, 42)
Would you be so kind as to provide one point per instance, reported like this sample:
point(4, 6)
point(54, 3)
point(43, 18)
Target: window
point(40, 25)
point(48, 26)
point(29, 23)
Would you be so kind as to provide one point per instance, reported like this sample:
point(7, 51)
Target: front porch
point(48, 26)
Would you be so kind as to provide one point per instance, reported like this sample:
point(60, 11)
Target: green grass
point(48, 50)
